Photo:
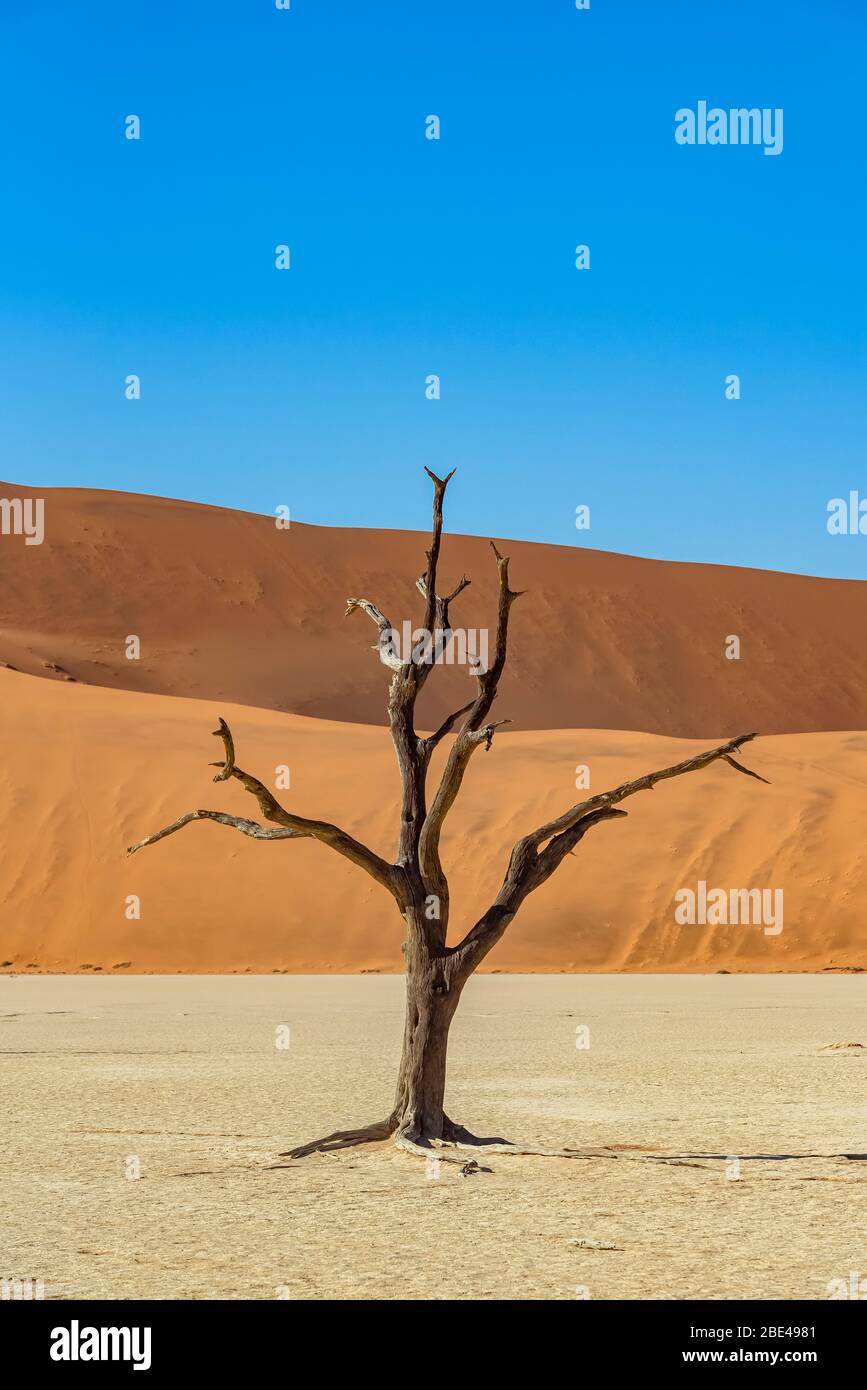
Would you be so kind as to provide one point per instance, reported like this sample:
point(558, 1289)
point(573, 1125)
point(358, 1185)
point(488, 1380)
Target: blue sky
point(455, 257)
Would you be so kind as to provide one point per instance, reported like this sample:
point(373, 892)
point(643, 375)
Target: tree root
point(463, 1138)
point(457, 1142)
point(436, 1148)
point(533, 1151)
point(452, 1147)
point(345, 1139)
point(458, 1134)
point(488, 1146)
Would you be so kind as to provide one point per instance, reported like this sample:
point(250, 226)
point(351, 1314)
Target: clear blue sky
point(410, 257)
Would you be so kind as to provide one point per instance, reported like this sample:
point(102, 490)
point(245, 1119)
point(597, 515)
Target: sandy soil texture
point(182, 1076)
point(228, 607)
point(84, 772)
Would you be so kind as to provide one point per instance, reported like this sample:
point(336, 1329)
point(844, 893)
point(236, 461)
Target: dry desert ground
point(181, 1076)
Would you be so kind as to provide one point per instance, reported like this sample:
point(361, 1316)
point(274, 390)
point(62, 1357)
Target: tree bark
point(431, 1000)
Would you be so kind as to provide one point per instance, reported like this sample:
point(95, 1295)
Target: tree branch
point(645, 783)
point(436, 608)
point(385, 646)
point(224, 732)
point(412, 756)
point(246, 827)
point(474, 732)
point(440, 635)
point(440, 485)
point(530, 866)
point(485, 735)
point(427, 745)
point(463, 583)
point(294, 827)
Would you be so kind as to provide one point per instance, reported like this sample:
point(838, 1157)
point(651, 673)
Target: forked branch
point(427, 745)
point(536, 856)
point(473, 734)
point(430, 579)
point(291, 826)
point(646, 783)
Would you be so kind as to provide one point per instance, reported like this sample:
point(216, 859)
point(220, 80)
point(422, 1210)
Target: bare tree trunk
point(431, 1000)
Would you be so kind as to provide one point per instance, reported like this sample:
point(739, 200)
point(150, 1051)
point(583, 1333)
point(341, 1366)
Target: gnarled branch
point(293, 827)
point(385, 646)
point(473, 733)
point(430, 580)
point(224, 732)
point(646, 783)
point(246, 827)
point(531, 865)
point(441, 632)
point(427, 745)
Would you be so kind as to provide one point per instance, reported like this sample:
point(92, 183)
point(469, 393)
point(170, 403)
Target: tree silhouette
point(435, 971)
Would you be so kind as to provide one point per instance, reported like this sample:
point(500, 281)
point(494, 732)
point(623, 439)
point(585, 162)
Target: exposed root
point(457, 1142)
point(435, 1148)
point(345, 1139)
point(488, 1147)
point(457, 1134)
point(462, 1138)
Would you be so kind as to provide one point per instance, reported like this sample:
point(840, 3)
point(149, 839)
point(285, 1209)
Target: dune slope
point(86, 771)
point(228, 607)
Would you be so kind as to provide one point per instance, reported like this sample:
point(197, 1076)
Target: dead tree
point(435, 971)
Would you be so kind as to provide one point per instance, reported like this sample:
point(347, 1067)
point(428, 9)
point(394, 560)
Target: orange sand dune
point(227, 607)
point(86, 771)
